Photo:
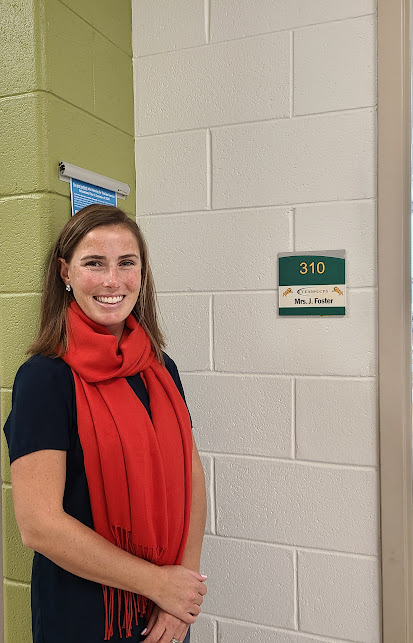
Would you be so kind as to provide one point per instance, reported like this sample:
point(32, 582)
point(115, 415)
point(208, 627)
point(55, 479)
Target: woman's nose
point(111, 278)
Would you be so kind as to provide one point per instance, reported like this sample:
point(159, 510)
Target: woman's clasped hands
point(177, 604)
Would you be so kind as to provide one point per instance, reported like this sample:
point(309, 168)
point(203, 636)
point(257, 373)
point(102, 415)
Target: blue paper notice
point(83, 194)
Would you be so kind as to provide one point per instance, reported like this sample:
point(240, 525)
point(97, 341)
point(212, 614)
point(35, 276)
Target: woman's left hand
point(162, 627)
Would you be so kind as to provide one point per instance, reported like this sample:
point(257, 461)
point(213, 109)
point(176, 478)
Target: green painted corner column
point(66, 93)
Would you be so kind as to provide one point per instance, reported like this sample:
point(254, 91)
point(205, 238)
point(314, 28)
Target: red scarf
point(139, 471)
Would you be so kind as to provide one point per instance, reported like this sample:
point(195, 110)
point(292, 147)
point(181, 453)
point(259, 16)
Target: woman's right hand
point(181, 592)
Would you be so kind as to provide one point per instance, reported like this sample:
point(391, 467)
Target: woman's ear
point(64, 270)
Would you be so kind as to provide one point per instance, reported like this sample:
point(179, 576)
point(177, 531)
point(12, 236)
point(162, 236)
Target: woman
point(107, 482)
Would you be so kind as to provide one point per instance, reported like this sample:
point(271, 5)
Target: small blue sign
point(83, 194)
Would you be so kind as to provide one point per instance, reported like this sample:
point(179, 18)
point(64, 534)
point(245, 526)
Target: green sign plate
point(312, 283)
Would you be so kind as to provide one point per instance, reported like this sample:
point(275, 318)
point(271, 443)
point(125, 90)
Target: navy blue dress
point(65, 608)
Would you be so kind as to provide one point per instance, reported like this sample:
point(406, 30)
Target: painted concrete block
point(218, 250)
point(17, 560)
point(18, 324)
point(236, 632)
point(68, 38)
point(239, 571)
point(203, 630)
point(336, 421)
point(19, 120)
point(108, 151)
point(4, 413)
point(231, 82)
point(115, 25)
point(335, 66)
point(303, 505)
point(113, 84)
point(29, 235)
point(19, 47)
point(186, 321)
point(23, 119)
point(351, 226)
point(250, 337)
point(323, 158)
point(242, 18)
point(164, 26)
point(208, 464)
point(17, 613)
point(5, 460)
point(246, 415)
point(5, 406)
point(171, 172)
point(339, 596)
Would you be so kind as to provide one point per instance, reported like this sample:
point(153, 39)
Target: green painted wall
point(66, 93)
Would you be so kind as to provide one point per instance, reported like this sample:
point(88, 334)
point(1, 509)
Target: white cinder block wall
point(255, 134)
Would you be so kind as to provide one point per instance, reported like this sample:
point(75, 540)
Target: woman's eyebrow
point(101, 257)
point(92, 257)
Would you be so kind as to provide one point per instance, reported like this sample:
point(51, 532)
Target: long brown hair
point(52, 337)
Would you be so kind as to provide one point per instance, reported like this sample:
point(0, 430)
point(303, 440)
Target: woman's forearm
point(83, 552)
point(38, 481)
point(192, 554)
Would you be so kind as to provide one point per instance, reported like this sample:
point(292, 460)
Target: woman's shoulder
point(170, 364)
point(40, 371)
point(42, 407)
point(43, 365)
point(174, 373)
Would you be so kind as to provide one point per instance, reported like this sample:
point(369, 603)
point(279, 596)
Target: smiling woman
point(107, 482)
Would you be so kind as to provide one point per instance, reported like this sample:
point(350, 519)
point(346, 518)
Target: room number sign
point(312, 283)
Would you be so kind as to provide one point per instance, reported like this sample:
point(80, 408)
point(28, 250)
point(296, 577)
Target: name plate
point(312, 283)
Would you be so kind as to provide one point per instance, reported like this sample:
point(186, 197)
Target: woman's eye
point(128, 262)
point(94, 264)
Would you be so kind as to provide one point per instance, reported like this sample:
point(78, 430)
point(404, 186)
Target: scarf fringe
point(132, 605)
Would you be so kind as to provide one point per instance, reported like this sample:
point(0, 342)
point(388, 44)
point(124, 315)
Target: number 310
point(305, 267)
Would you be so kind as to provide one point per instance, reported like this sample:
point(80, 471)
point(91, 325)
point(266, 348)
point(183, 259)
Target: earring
point(68, 288)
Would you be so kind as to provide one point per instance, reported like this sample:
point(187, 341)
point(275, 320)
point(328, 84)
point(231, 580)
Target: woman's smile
point(104, 299)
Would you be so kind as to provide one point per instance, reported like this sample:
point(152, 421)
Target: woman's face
point(105, 275)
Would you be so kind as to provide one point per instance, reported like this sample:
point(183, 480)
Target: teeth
point(110, 300)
